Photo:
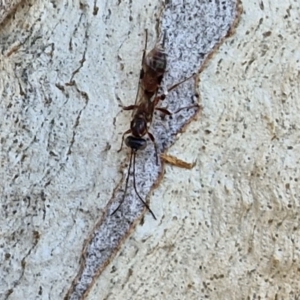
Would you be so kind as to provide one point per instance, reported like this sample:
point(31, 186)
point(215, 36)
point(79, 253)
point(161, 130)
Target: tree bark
point(227, 229)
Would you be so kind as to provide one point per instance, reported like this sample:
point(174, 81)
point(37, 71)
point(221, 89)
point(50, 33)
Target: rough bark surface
point(7, 7)
point(227, 229)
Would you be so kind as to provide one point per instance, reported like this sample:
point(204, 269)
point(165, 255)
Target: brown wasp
point(153, 68)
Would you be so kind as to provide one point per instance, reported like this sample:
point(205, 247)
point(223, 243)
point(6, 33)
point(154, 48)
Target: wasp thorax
point(139, 126)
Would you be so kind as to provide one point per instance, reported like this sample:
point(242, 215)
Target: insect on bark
point(153, 68)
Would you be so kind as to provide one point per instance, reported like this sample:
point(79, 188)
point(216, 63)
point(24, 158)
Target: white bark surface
point(228, 229)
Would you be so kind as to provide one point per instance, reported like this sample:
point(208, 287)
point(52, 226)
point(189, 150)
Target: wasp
point(153, 68)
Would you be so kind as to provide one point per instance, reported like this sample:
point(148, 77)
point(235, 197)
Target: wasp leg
point(126, 132)
point(130, 107)
point(187, 107)
point(164, 111)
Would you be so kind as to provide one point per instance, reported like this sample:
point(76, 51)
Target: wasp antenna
point(134, 185)
point(126, 185)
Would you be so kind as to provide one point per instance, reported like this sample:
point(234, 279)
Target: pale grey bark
point(228, 229)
